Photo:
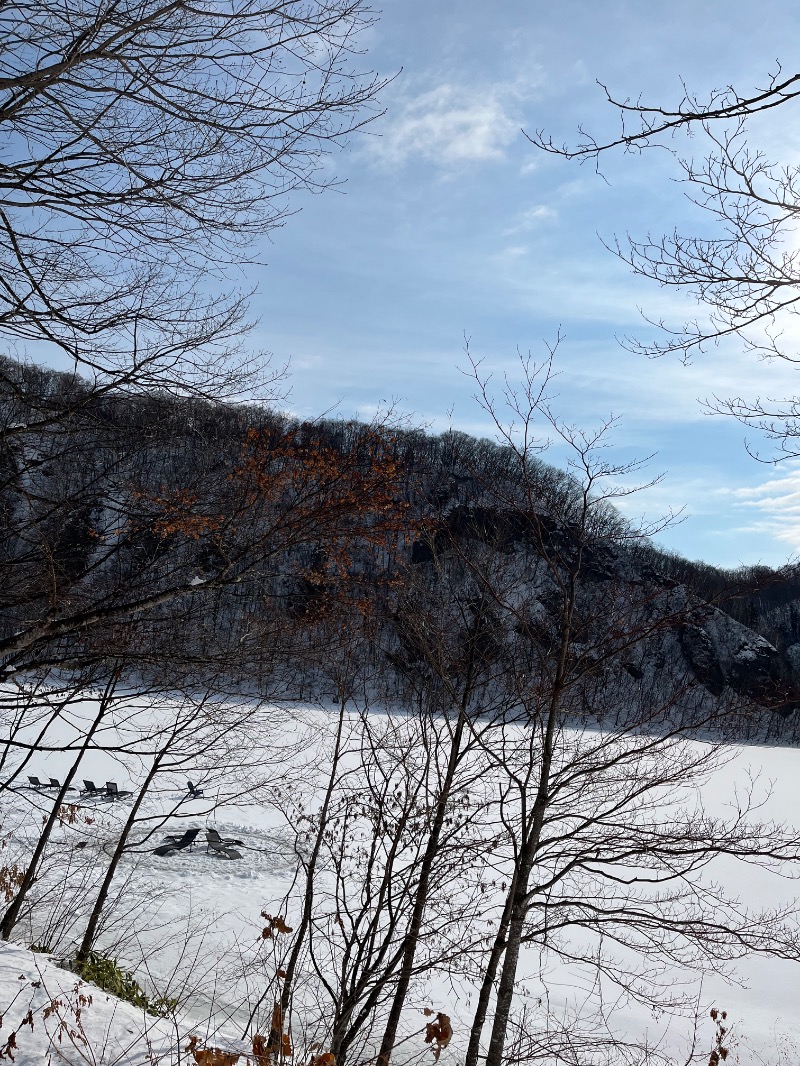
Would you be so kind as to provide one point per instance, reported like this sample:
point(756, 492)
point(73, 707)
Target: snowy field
point(189, 923)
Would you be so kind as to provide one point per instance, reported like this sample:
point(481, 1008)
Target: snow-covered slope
point(193, 927)
point(50, 1016)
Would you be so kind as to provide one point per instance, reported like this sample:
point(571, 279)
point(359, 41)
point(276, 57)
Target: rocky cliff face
point(704, 643)
point(723, 652)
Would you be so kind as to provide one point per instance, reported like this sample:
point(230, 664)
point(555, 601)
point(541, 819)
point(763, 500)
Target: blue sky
point(451, 224)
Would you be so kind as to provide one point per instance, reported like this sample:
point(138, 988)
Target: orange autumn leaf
point(177, 512)
point(261, 1052)
point(438, 1033)
point(276, 925)
point(211, 1056)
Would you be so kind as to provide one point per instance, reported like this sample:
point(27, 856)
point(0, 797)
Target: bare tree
point(377, 888)
point(641, 124)
point(392, 837)
point(148, 144)
point(607, 837)
point(746, 276)
point(235, 744)
point(450, 655)
point(156, 738)
point(61, 795)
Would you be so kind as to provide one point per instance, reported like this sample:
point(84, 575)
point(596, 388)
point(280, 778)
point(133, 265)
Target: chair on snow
point(113, 791)
point(221, 849)
point(175, 843)
point(213, 839)
point(221, 846)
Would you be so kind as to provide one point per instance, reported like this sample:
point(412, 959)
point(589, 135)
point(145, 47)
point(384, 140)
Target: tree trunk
point(525, 862)
point(508, 976)
point(530, 843)
point(11, 915)
point(91, 929)
point(489, 976)
point(421, 900)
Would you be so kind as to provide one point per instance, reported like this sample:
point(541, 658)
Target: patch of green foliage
point(108, 975)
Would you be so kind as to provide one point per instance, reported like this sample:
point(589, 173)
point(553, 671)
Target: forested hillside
point(183, 538)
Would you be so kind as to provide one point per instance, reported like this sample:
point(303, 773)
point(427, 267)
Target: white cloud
point(776, 502)
point(450, 125)
point(514, 251)
point(535, 214)
point(531, 218)
point(663, 390)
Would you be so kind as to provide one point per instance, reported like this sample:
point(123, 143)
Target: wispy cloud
point(514, 251)
point(775, 505)
point(452, 124)
point(531, 218)
point(663, 390)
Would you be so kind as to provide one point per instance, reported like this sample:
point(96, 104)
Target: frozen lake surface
point(194, 919)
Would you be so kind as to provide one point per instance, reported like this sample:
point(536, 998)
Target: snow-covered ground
point(50, 1016)
point(190, 922)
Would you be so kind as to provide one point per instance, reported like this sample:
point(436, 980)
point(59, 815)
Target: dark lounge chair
point(194, 791)
point(222, 851)
point(114, 792)
point(55, 783)
point(214, 839)
point(176, 843)
point(184, 839)
point(36, 783)
point(166, 849)
point(91, 789)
